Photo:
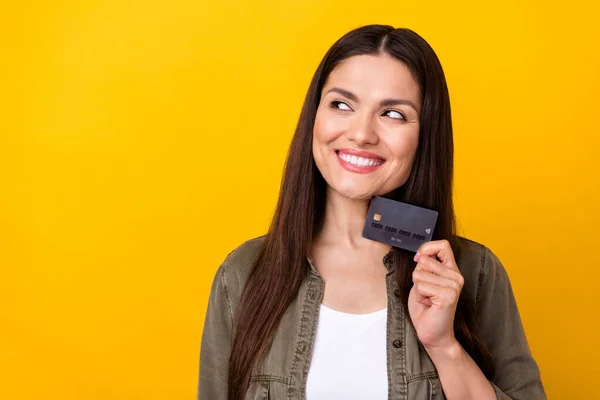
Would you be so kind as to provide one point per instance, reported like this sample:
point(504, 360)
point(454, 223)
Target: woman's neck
point(343, 225)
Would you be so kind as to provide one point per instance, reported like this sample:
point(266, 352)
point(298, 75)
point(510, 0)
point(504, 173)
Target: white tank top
point(349, 359)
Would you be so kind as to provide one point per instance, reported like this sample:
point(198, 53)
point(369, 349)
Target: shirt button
point(397, 344)
point(302, 347)
point(397, 292)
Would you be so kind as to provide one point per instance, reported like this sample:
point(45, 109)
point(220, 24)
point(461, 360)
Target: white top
point(349, 359)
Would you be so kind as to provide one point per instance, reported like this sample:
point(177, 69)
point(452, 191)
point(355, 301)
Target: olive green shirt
point(411, 373)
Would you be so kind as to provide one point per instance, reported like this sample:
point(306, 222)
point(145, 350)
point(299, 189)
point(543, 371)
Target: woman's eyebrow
point(383, 103)
point(344, 93)
point(395, 102)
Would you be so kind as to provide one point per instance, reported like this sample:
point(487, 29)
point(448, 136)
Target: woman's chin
point(354, 193)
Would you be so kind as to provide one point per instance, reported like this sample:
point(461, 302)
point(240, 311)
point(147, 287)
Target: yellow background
point(141, 141)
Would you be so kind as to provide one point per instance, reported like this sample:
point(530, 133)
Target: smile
point(358, 164)
point(360, 161)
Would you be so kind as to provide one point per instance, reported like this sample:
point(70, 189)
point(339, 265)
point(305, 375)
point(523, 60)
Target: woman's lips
point(349, 162)
point(359, 153)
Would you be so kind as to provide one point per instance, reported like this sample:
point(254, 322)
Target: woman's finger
point(436, 294)
point(440, 249)
point(420, 275)
point(435, 267)
point(421, 299)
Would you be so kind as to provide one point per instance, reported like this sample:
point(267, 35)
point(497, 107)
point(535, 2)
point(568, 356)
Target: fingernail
point(416, 258)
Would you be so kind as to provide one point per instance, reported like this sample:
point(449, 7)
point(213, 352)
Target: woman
point(314, 310)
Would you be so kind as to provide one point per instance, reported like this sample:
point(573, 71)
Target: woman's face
point(367, 126)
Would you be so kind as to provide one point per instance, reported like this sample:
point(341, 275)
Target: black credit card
point(399, 224)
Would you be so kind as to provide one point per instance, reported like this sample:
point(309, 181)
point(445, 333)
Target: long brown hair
point(281, 263)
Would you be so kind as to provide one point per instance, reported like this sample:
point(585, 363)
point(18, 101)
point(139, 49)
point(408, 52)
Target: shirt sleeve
point(517, 374)
point(216, 341)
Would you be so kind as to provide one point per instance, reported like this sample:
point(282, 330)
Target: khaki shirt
point(411, 373)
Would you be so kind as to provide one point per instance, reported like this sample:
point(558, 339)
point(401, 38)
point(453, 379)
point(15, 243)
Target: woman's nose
point(363, 130)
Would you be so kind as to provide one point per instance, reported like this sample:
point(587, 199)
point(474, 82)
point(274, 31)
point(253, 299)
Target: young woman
point(314, 310)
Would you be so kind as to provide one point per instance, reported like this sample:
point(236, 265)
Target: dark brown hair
point(281, 263)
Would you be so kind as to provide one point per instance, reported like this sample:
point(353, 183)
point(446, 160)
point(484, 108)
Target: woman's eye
point(340, 105)
point(394, 114)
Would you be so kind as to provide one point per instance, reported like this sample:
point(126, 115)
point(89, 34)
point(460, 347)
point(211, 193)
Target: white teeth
point(359, 161)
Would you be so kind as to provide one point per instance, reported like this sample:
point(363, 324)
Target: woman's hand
point(434, 296)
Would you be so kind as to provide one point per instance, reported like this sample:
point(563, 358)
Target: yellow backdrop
point(141, 141)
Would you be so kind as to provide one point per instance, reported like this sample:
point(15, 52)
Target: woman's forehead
point(374, 76)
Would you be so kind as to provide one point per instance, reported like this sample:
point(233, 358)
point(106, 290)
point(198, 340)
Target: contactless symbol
point(377, 217)
point(428, 230)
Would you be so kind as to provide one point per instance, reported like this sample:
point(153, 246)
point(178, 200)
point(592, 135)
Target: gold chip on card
point(377, 217)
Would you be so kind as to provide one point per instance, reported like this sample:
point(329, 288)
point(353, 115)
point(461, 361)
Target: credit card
point(399, 224)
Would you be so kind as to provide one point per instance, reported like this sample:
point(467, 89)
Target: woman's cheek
point(403, 144)
point(329, 126)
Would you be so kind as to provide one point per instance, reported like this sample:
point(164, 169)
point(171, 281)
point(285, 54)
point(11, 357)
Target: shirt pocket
point(266, 387)
point(434, 389)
